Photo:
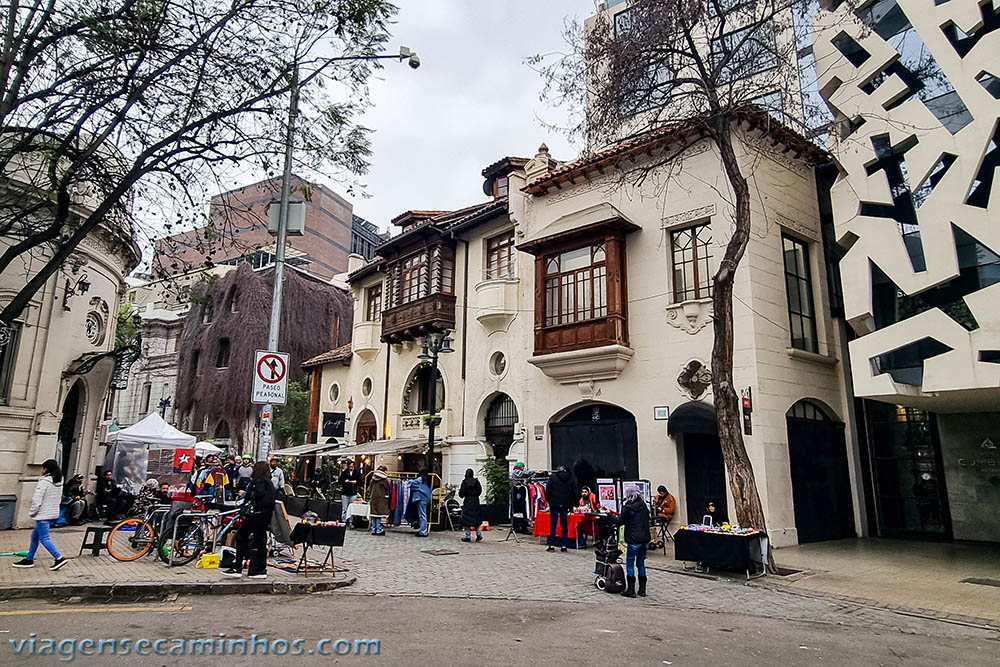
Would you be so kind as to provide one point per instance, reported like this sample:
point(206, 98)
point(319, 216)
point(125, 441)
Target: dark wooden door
point(821, 484)
point(704, 475)
point(596, 448)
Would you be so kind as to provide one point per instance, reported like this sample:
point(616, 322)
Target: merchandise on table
point(724, 529)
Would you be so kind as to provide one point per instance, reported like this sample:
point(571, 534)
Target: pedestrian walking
point(45, 510)
point(470, 491)
point(277, 475)
point(420, 494)
point(349, 480)
point(251, 538)
point(378, 499)
point(561, 496)
point(244, 473)
point(635, 518)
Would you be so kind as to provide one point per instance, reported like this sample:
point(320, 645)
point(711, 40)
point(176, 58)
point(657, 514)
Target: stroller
point(607, 556)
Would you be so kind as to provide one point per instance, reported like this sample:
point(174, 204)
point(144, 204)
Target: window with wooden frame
point(373, 303)
point(414, 278)
point(576, 285)
point(500, 187)
point(500, 256)
point(690, 262)
point(798, 285)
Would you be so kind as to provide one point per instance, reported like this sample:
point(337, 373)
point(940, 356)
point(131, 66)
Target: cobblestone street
point(398, 565)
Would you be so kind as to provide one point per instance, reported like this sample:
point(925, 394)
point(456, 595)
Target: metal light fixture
point(432, 347)
point(82, 286)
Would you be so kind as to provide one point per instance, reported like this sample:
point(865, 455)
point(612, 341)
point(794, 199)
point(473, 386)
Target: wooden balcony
point(412, 320)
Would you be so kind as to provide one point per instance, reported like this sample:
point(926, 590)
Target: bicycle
point(190, 536)
point(132, 538)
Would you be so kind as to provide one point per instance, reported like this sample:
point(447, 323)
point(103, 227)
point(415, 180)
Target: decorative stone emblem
point(690, 316)
point(695, 379)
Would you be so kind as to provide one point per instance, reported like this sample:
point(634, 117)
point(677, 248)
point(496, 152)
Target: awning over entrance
point(375, 447)
point(693, 417)
point(304, 450)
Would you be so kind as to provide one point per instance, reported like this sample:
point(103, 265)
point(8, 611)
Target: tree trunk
point(746, 498)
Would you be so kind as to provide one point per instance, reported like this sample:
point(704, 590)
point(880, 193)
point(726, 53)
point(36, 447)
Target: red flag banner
point(183, 460)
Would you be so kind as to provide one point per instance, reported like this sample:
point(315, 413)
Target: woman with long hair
point(251, 539)
point(635, 518)
point(45, 510)
point(470, 491)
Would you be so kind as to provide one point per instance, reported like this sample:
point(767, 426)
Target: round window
point(366, 387)
point(498, 363)
point(334, 392)
point(94, 328)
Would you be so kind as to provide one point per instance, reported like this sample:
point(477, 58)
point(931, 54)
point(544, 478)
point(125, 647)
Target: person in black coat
point(251, 538)
point(561, 494)
point(470, 491)
point(635, 518)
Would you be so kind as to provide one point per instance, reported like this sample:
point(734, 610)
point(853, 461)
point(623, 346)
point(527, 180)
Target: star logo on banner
point(184, 458)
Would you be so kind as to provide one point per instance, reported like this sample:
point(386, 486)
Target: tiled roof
point(415, 214)
point(336, 354)
point(649, 141)
point(509, 161)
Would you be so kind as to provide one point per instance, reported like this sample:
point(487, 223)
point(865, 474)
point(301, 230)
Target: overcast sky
point(472, 101)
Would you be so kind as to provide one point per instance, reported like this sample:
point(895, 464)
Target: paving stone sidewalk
point(104, 576)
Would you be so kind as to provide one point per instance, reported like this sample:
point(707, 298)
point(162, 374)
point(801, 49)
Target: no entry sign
point(270, 377)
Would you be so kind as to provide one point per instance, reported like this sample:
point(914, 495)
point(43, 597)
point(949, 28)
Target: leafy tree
point(707, 69)
point(127, 326)
point(124, 113)
point(291, 420)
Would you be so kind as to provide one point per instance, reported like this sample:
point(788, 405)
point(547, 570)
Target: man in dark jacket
point(635, 518)
point(107, 495)
point(350, 479)
point(561, 494)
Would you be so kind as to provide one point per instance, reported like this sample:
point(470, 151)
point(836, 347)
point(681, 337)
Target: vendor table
point(580, 523)
point(310, 535)
point(726, 551)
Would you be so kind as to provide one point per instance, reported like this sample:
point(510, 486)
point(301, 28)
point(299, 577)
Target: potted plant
point(496, 501)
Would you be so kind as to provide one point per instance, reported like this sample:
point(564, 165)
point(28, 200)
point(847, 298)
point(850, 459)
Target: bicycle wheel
point(186, 548)
point(130, 540)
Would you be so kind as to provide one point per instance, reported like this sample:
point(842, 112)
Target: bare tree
point(694, 71)
point(126, 112)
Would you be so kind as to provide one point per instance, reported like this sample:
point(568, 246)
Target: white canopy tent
point(152, 430)
point(204, 448)
point(129, 449)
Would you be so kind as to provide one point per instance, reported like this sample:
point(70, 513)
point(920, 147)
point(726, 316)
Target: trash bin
point(7, 502)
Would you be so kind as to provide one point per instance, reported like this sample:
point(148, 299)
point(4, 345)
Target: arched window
point(417, 395)
point(222, 360)
point(500, 419)
point(222, 429)
point(233, 300)
point(807, 410)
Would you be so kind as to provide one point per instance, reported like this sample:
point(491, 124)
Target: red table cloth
point(579, 523)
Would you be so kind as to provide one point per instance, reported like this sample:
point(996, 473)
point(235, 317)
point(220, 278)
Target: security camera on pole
point(271, 367)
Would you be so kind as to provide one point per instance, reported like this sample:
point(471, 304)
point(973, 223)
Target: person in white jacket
point(45, 510)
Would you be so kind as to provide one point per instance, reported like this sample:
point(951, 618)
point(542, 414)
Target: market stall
point(580, 523)
point(328, 534)
point(149, 448)
point(723, 547)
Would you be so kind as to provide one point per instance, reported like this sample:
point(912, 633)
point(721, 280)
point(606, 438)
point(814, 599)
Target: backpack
point(614, 582)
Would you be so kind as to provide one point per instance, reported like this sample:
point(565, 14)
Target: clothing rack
point(527, 497)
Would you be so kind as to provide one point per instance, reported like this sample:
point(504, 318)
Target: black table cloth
point(320, 536)
point(720, 550)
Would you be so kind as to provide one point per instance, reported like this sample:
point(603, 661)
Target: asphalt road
point(450, 631)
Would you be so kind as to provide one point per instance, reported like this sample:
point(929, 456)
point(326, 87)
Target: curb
point(113, 591)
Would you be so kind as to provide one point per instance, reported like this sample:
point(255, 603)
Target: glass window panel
point(574, 259)
point(599, 254)
point(553, 265)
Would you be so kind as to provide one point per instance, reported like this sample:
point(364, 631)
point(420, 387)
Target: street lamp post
point(164, 404)
point(266, 411)
point(432, 347)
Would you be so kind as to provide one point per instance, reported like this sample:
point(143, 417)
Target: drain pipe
point(385, 391)
point(465, 324)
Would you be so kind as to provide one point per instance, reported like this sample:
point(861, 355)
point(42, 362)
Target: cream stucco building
point(579, 310)
point(57, 363)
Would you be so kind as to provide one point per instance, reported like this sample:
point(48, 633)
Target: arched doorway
point(704, 468)
point(367, 429)
point(500, 419)
point(596, 441)
point(69, 428)
point(821, 484)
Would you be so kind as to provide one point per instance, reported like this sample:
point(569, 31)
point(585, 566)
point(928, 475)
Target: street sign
point(270, 378)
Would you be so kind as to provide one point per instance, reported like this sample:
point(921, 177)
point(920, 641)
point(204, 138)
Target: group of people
point(639, 532)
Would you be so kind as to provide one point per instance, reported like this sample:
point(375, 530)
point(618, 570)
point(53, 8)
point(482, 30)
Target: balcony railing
point(410, 321)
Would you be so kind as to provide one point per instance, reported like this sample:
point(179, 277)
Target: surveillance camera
point(414, 61)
